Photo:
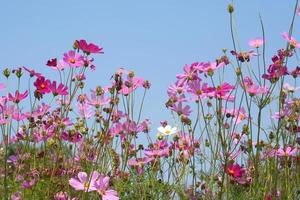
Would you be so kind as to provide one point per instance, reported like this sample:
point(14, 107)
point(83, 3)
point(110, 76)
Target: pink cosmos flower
point(42, 85)
point(73, 59)
point(257, 42)
point(176, 89)
point(253, 89)
point(180, 110)
point(130, 85)
point(139, 162)
point(209, 67)
point(281, 152)
point(102, 187)
point(190, 73)
point(60, 90)
point(85, 110)
point(291, 40)
point(18, 96)
point(61, 196)
point(159, 149)
point(84, 182)
point(198, 90)
point(238, 115)
point(98, 100)
point(88, 48)
point(222, 92)
point(298, 10)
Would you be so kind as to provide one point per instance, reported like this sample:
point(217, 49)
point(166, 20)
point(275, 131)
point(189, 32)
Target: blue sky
point(153, 38)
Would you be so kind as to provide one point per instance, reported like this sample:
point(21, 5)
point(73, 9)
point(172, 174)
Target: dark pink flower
point(88, 48)
point(52, 62)
point(42, 85)
point(18, 96)
point(235, 170)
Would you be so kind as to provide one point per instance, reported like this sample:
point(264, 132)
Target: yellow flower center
point(86, 185)
point(72, 60)
point(167, 132)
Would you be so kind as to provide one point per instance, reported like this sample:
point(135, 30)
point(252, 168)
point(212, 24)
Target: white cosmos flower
point(167, 130)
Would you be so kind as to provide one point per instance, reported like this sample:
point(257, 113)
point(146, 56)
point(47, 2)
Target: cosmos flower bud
point(6, 72)
point(238, 71)
point(230, 8)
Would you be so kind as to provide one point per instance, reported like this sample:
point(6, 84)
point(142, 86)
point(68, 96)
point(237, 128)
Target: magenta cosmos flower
point(84, 182)
point(18, 96)
point(73, 59)
point(257, 42)
point(58, 90)
point(235, 170)
point(42, 85)
point(102, 185)
point(286, 152)
point(88, 48)
point(291, 40)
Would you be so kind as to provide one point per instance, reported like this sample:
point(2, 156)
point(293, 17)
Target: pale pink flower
point(257, 42)
point(288, 151)
point(298, 11)
point(84, 182)
point(102, 187)
point(291, 40)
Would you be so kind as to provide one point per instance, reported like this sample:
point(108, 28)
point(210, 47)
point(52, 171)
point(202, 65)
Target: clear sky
point(154, 38)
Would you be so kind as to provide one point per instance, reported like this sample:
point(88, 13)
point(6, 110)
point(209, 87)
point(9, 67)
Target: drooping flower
point(98, 100)
point(85, 183)
point(42, 85)
point(276, 69)
point(18, 96)
point(102, 186)
point(58, 90)
point(167, 130)
point(131, 84)
point(291, 40)
point(257, 42)
point(73, 59)
point(88, 48)
point(281, 152)
point(32, 72)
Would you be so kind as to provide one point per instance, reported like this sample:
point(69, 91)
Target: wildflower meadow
point(225, 138)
